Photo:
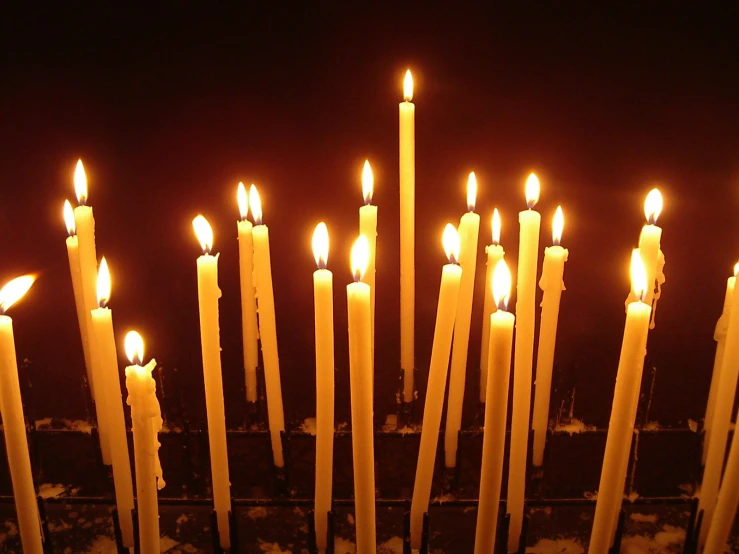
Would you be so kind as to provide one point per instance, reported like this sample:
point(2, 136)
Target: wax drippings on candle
point(544, 280)
point(660, 281)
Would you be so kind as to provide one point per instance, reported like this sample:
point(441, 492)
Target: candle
point(623, 411)
point(552, 284)
point(267, 326)
point(323, 298)
point(528, 253)
point(14, 426)
point(494, 253)
point(210, 341)
point(98, 369)
point(719, 335)
point(469, 230)
point(105, 359)
point(496, 411)
point(368, 228)
point(360, 379)
point(146, 419)
point(446, 311)
point(407, 236)
point(249, 331)
point(74, 269)
point(85, 225)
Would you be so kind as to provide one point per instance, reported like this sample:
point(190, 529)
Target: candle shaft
point(101, 402)
point(368, 228)
point(649, 242)
point(249, 331)
point(79, 298)
point(407, 245)
point(85, 223)
point(494, 253)
point(16, 443)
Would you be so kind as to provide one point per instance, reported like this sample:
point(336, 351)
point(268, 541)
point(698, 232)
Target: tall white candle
point(407, 117)
point(106, 370)
point(323, 300)
point(267, 326)
point(719, 335)
point(98, 369)
point(496, 411)
point(451, 276)
point(210, 341)
point(494, 253)
point(552, 284)
point(623, 411)
point(249, 332)
point(368, 228)
point(85, 224)
point(528, 253)
point(469, 230)
point(360, 379)
point(14, 425)
point(146, 419)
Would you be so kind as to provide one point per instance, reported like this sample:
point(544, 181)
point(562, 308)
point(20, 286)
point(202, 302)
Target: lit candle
point(496, 411)
point(210, 341)
point(98, 369)
point(267, 326)
point(446, 311)
point(323, 297)
point(494, 253)
point(469, 230)
point(528, 254)
point(552, 284)
point(368, 228)
point(407, 236)
point(360, 379)
point(14, 426)
point(249, 331)
point(105, 359)
point(146, 419)
point(719, 335)
point(74, 269)
point(623, 411)
point(85, 225)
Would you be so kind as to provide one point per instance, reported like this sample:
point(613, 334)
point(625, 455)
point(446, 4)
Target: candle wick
point(357, 276)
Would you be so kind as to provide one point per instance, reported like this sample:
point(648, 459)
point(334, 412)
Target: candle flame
point(558, 225)
point(204, 233)
point(360, 257)
point(103, 284)
point(133, 344)
point(80, 183)
point(255, 203)
point(408, 86)
point(450, 240)
point(68, 213)
point(14, 291)
point(736, 269)
point(368, 182)
point(496, 226)
point(471, 191)
point(533, 189)
point(242, 199)
point(638, 275)
point(653, 206)
point(501, 285)
point(320, 245)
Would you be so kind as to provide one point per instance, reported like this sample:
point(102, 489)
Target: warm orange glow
point(496, 226)
point(368, 182)
point(242, 199)
point(204, 233)
point(320, 245)
point(533, 189)
point(103, 284)
point(558, 225)
point(653, 206)
point(408, 86)
point(501, 285)
point(69, 218)
point(80, 183)
point(14, 291)
point(736, 269)
point(133, 344)
point(450, 240)
point(360, 257)
point(255, 203)
point(471, 191)
point(638, 275)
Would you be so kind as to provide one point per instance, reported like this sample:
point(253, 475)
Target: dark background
point(170, 108)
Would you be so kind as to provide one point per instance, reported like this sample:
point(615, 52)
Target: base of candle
point(330, 533)
point(407, 416)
